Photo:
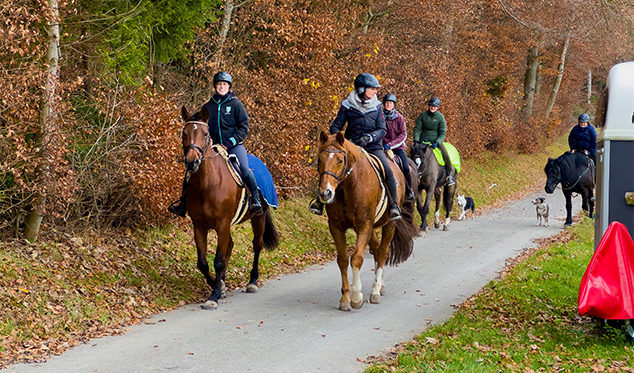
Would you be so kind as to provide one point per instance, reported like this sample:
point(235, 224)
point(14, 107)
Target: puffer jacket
point(372, 123)
point(396, 132)
point(583, 139)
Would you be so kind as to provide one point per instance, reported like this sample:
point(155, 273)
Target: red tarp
point(607, 287)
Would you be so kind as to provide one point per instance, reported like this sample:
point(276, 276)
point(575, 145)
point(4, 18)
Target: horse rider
point(583, 138)
point(395, 138)
point(431, 127)
point(228, 126)
point(363, 113)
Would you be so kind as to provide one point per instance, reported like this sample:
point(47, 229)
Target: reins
point(578, 179)
point(344, 174)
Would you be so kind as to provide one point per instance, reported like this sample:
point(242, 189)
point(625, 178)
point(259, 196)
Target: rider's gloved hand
point(434, 145)
point(387, 147)
point(364, 140)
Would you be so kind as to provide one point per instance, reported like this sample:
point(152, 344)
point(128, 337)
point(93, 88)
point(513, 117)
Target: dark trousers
point(247, 175)
point(390, 181)
point(404, 163)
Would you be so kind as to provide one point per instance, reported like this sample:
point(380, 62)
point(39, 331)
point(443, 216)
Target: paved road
point(293, 324)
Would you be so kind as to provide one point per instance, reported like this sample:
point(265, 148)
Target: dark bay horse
point(354, 198)
point(575, 172)
point(213, 197)
point(433, 180)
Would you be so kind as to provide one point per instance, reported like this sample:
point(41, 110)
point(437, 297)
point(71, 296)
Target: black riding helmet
point(389, 97)
point(365, 80)
point(434, 101)
point(223, 76)
point(584, 118)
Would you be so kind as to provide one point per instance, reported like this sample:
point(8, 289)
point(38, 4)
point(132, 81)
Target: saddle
point(234, 169)
point(377, 166)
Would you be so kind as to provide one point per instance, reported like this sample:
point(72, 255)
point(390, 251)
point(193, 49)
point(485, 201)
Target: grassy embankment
point(526, 321)
point(74, 286)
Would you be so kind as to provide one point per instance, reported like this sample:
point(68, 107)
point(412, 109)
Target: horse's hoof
point(436, 225)
point(209, 305)
point(252, 288)
point(567, 225)
point(357, 305)
point(344, 306)
point(375, 299)
point(445, 228)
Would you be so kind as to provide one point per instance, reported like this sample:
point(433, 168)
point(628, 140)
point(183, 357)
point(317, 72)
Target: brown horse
point(351, 190)
point(213, 197)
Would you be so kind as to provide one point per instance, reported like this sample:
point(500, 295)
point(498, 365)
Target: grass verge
point(525, 321)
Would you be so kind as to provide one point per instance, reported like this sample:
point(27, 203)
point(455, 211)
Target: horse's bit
point(344, 174)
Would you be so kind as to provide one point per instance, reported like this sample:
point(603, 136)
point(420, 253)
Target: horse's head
point(333, 165)
point(417, 154)
point(553, 175)
point(195, 137)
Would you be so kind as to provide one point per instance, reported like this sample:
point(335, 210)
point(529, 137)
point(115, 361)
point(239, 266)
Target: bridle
point(343, 174)
point(200, 150)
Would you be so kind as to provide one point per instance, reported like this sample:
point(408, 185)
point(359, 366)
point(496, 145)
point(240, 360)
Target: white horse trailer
point(615, 152)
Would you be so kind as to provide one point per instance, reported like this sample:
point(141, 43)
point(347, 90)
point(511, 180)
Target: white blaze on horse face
point(357, 296)
point(195, 126)
point(418, 162)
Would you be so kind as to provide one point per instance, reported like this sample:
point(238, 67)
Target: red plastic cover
point(607, 287)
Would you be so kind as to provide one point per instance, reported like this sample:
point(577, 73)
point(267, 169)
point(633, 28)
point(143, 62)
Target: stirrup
point(395, 212)
point(316, 207)
point(409, 195)
point(450, 181)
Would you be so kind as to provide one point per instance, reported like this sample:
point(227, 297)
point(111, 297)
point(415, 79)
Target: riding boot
point(255, 207)
point(316, 206)
point(394, 212)
point(409, 193)
point(179, 207)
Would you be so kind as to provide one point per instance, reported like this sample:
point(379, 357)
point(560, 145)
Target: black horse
point(433, 179)
point(575, 172)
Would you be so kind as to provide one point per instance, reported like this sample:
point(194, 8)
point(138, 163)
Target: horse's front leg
point(448, 195)
point(339, 235)
point(200, 237)
point(257, 224)
point(380, 257)
point(568, 196)
point(356, 262)
point(437, 193)
point(428, 197)
point(591, 203)
point(223, 253)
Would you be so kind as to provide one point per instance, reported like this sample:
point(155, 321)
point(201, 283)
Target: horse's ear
point(204, 114)
point(340, 138)
point(184, 114)
point(323, 137)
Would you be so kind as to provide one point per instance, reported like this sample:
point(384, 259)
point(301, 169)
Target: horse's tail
point(402, 243)
point(271, 238)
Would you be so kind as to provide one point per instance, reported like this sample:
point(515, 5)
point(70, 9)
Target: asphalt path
point(293, 323)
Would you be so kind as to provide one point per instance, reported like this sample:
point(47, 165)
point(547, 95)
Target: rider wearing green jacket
point(431, 127)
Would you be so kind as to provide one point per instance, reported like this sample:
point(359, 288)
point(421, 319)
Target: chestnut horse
point(351, 190)
point(213, 197)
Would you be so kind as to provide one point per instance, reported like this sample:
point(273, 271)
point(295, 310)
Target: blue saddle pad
point(264, 179)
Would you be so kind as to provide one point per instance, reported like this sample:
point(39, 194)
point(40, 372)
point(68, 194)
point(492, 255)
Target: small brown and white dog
point(542, 211)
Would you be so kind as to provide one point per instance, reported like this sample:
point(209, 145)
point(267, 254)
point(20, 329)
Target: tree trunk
point(589, 87)
point(560, 74)
point(47, 125)
point(224, 31)
point(530, 81)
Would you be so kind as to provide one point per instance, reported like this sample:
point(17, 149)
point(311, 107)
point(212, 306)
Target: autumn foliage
point(115, 158)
